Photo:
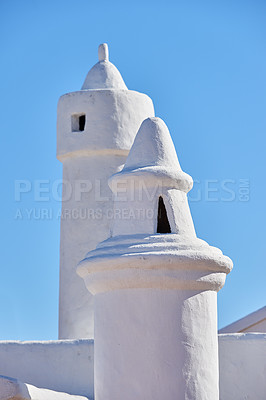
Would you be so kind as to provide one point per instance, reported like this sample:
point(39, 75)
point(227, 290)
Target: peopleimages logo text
point(45, 190)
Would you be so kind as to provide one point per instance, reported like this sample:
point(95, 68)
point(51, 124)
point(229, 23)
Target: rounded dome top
point(104, 75)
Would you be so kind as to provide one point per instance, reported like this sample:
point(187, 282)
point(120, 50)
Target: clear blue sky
point(203, 63)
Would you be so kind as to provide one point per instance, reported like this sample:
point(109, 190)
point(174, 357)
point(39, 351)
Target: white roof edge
point(245, 322)
point(245, 336)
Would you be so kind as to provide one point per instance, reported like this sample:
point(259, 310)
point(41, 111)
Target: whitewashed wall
point(62, 365)
point(242, 366)
point(67, 365)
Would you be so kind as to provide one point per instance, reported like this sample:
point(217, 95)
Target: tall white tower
point(155, 284)
point(96, 127)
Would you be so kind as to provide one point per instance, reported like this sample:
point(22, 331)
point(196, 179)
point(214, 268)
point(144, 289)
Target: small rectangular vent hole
point(78, 122)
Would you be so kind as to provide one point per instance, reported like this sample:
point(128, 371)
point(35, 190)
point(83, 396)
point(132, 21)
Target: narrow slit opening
point(82, 121)
point(163, 225)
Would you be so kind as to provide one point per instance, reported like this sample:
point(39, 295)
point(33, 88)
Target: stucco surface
point(155, 292)
point(68, 365)
point(113, 115)
point(149, 345)
point(64, 366)
point(242, 360)
point(104, 74)
point(12, 389)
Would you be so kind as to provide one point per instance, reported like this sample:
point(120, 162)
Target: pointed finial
point(103, 52)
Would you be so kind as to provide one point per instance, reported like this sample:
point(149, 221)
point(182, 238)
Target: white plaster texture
point(152, 344)
point(151, 170)
point(242, 359)
point(12, 389)
point(157, 290)
point(104, 74)
point(113, 115)
point(68, 365)
point(155, 294)
point(63, 366)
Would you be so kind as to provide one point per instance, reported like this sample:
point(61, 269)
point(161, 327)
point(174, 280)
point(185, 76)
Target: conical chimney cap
point(153, 146)
point(153, 157)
